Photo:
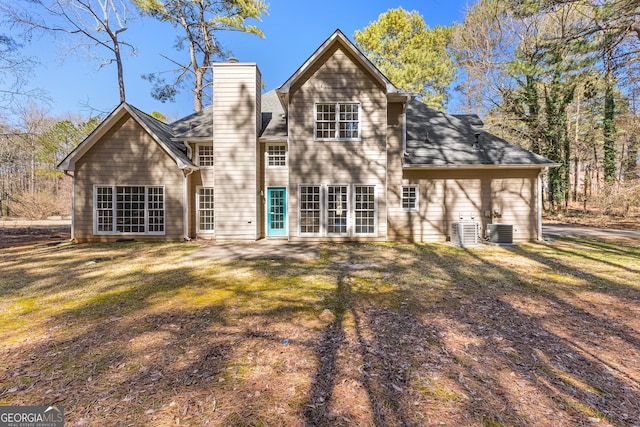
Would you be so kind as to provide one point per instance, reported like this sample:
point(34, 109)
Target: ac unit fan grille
point(464, 233)
point(500, 233)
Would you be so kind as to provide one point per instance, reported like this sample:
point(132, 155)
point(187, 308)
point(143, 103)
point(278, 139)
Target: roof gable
point(161, 133)
point(337, 38)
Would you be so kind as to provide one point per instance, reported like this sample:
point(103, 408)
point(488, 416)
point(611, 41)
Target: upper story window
point(410, 197)
point(276, 155)
point(337, 121)
point(204, 154)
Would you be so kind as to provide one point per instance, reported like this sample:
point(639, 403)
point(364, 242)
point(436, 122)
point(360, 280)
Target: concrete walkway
point(570, 230)
point(261, 249)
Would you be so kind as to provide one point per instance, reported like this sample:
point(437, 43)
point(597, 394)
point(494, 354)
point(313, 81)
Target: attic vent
point(233, 60)
point(464, 233)
point(500, 233)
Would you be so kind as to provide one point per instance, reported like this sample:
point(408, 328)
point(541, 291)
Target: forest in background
point(558, 77)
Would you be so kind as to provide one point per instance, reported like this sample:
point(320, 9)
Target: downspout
point(73, 204)
point(185, 204)
point(540, 205)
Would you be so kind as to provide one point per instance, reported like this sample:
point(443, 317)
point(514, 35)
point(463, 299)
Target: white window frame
point(375, 210)
point(114, 211)
point(320, 210)
point(210, 156)
point(268, 155)
point(198, 209)
point(404, 198)
point(328, 210)
point(103, 208)
point(337, 121)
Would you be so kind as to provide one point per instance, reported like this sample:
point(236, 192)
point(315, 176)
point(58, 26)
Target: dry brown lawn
point(369, 334)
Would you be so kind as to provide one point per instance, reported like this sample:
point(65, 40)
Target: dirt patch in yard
point(380, 334)
point(16, 235)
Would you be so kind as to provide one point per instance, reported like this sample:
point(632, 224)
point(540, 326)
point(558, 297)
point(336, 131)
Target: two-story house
point(335, 153)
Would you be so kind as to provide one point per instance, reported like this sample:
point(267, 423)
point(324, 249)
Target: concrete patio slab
point(261, 249)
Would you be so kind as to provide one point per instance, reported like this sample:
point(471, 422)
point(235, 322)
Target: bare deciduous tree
point(94, 25)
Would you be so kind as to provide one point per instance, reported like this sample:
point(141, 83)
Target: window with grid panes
point(337, 121)
point(409, 197)
point(364, 209)
point(337, 209)
point(104, 209)
point(155, 209)
point(276, 155)
point(309, 209)
point(206, 210)
point(205, 155)
point(129, 210)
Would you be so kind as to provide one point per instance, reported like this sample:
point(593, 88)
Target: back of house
point(336, 153)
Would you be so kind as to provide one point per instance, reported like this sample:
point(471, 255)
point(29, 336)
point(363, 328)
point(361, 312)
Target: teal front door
point(277, 211)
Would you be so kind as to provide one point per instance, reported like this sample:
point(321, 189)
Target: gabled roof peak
point(159, 131)
point(337, 37)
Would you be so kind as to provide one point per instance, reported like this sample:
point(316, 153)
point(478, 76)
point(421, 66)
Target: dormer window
point(204, 155)
point(337, 121)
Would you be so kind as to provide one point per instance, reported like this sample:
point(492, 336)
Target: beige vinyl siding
point(337, 78)
point(127, 155)
point(447, 196)
point(237, 170)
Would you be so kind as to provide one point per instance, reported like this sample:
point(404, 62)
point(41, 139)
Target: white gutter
point(73, 204)
point(463, 166)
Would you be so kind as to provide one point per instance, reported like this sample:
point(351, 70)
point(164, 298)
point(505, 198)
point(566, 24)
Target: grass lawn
point(368, 334)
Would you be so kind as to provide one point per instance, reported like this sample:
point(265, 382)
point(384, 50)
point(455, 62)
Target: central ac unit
point(501, 234)
point(464, 233)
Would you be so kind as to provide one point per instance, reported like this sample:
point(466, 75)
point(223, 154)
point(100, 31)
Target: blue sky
point(293, 30)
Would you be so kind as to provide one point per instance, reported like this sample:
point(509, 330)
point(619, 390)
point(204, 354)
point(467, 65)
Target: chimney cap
point(233, 60)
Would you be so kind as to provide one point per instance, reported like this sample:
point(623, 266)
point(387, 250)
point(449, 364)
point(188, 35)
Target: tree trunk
point(609, 128)
point(576, 177)
point(116, 52)
point(576, 171)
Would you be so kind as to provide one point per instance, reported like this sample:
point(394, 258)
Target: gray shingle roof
point(196, 125)
point(274, 124)
point(200, 125)
point(437, 139)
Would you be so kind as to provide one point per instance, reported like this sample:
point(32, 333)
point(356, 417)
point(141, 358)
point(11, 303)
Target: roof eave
point(273, 139)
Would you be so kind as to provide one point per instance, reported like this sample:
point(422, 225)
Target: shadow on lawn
point(563, 364)
point(428, 332)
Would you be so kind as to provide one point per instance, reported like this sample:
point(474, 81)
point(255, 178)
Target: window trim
point(286, 155)
point(416, 201)
point(320, 210)
point(198, 230)
point(348, 211)
point(114, 208)
point(375, 211)
point(337, 122)
point(197, 155)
